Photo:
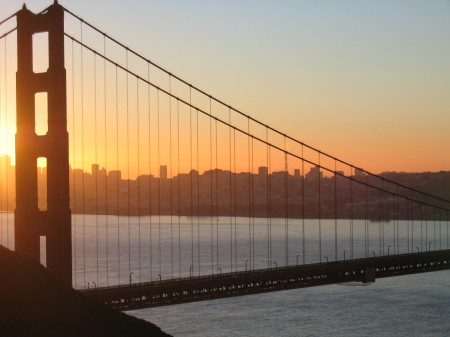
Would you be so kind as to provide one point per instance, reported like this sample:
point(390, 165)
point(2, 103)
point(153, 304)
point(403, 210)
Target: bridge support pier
point(369, 275)
point(55, 222)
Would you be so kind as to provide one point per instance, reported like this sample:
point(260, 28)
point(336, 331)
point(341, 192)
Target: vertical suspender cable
point(447, 228)
point(191, 183)
point(320, 212)
point(303, 207)
point(421, 226)
point(268, 200)
point(230, 195)
point(211, 187)
point(234, 199)
point(412, 221)
point(117, 175)
point(434, 228)
point(6, 143)
point(335, 211)
point(250, 176)
point(96, 162)
point(440, 231)
point(138, 180)
point(159, 180)
point(286, 206)
point(171, 176)
point(82, 157)
point(351, 214)
point(396, 225)
point(380, 216)
point(128, 160)
point(106, 159)
point(410, 226)
point(395, 206)
point(366, 218)
point(217, 198)
point(74, 218)
point(426, 222)
point(150, 178)
point(198, 195)
point(269, 186)
point(179, 186)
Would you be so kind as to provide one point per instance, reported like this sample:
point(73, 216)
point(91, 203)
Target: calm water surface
point(108, 250)
point(413, 305)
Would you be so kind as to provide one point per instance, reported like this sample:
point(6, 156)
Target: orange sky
point(367, 83)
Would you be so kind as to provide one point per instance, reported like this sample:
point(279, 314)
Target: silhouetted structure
point(163, 172)
point(55, 222)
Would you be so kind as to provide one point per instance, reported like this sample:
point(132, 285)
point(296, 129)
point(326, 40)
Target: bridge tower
point(54, 223)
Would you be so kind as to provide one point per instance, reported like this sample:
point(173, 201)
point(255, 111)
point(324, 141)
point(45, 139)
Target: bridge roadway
point(166, 292)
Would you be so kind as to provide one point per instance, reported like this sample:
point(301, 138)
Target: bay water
point(112, 250)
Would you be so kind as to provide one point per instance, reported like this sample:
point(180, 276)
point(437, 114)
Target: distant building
point(94, 170)
point(193, 173)
point(262, 170)
point(281, 174)
point(163, 172)
point(297, 172)
point(98, 173)
point(314, 174)
point(115, 175)
point(359, 172)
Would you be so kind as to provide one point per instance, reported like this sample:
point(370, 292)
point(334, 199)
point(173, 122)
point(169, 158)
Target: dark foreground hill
point(34, 303)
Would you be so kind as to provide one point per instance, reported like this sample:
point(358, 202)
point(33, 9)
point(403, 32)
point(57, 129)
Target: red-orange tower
point(55, 222)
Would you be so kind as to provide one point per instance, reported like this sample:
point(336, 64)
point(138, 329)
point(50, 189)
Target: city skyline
point(225, 193)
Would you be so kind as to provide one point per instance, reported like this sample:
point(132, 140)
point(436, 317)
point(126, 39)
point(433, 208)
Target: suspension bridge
point(140, 189)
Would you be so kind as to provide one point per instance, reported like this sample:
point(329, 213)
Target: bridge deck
point(166, 292)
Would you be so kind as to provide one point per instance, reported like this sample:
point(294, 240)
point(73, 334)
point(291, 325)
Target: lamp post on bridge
point(246, 261)
point(326, 258)
point(417, 249)
point(219, 270)
point(130, 277)
point(190, 271)
point(276, 265)
point(389, 247)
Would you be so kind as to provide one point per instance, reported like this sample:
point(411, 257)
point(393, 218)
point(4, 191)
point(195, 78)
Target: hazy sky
point(366, 81)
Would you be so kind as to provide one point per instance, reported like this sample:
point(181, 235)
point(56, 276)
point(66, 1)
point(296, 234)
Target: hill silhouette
point(34, 303)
